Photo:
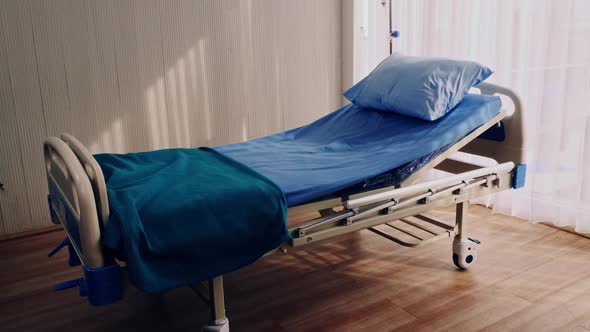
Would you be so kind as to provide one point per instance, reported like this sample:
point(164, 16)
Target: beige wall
point(140, 75)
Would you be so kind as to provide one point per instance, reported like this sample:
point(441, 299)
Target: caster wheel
point(464, 253)
point(456, 261)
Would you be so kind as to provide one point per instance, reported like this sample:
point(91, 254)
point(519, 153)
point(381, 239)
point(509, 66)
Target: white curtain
point(541, 49)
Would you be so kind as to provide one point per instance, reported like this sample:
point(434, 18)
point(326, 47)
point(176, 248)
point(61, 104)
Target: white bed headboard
point(507, 147)
point(511, 148)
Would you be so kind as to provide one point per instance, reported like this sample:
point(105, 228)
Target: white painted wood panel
point(14, 201)
point(27, 118)
point(137, 75)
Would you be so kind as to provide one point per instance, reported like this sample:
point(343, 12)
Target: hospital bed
point(394, 209)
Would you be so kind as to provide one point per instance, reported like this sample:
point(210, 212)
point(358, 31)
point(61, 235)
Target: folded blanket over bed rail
point(184, 215)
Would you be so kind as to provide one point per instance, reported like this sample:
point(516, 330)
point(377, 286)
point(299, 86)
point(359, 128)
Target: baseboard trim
point(29, 232)
point(568, 229)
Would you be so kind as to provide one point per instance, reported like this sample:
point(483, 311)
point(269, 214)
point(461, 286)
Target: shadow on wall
point(138, 75)
point(197, 73)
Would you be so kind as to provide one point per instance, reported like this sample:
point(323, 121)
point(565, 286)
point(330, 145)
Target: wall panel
point(136, 75)
point(14, 201)
point(27, 118)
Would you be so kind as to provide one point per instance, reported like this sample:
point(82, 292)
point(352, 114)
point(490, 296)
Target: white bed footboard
point(72, 201)
point(78, 200)
point(94, 173)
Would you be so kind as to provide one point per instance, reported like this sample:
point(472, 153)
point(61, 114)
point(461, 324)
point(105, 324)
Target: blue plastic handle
point(65, 242)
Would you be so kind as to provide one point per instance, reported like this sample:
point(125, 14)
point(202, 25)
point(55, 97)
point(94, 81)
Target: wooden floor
point(529, 278)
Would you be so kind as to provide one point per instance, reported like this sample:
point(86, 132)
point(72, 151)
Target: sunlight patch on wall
point(244, 129)
point(172, 93)
point(170, 101)
point(181, 68)
point(205, 87)
point(278, 100)
point(157, 116)
point(111, 140)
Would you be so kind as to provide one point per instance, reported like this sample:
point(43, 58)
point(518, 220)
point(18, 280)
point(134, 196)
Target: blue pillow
point(420, 87)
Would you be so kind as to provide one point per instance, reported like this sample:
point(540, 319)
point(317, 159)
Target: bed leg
point(464, 248)
point(460, 214)
point(218, 322)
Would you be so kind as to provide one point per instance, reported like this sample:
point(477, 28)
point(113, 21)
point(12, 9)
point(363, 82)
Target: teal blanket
point(180, 216)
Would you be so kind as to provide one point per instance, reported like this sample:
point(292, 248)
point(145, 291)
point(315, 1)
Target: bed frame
point(78, 200)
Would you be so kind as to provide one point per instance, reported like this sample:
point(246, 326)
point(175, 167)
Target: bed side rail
point(371, 209)
point(430, 186)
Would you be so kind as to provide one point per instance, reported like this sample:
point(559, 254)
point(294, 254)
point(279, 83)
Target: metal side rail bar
point(384, 207)
point(421, 187)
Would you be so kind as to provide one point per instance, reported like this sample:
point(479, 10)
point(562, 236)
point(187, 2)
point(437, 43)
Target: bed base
point(380, 208)
point(78, 200)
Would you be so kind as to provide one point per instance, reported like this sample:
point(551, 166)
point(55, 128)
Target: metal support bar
point(411, 223)
point(488, 181)
point(302, 230)
point(401, 210)
point(409, 201)
point(460, 214)
point(391, 238)
point(426, 186)
point(200, 289)
point(445, 191)
point(405, 232)
point(353, 215)
point(372, 210)
point(217, 302)
point(436, 222)
point(411, 244)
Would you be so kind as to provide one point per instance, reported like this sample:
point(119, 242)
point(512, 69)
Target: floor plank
point(529, 277)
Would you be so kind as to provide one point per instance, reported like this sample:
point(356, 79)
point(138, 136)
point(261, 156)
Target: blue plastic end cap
point(519, 177)
point(104, 285)
point(395, 34)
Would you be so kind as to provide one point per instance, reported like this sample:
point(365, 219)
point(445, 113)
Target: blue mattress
point(352, 145)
